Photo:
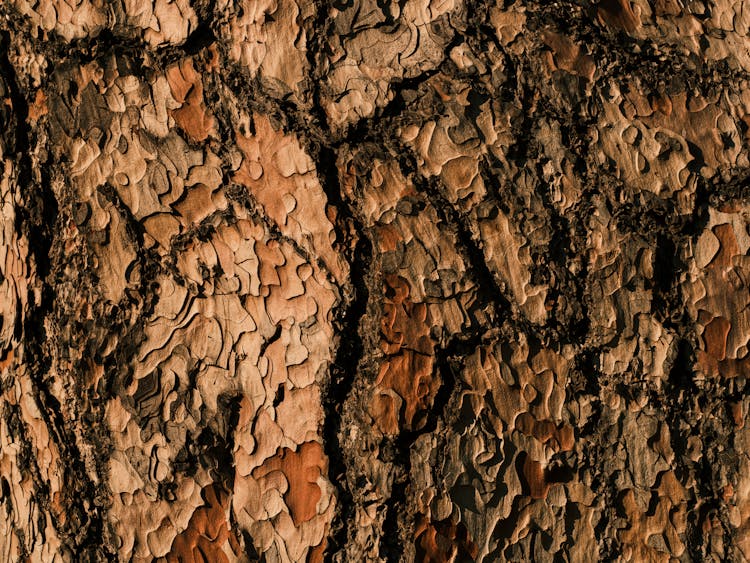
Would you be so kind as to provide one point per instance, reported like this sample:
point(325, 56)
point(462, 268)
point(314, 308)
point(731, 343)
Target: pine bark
point(290, 280)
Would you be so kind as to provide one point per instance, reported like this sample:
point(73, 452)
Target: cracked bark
point(381, 281)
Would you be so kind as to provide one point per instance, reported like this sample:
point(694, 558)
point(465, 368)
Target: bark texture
point(374, 280)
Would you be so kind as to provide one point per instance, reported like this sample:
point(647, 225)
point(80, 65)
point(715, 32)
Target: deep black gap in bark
point(38, 222)
point(199, 39)
point(446, 359)
point(342, 378)
point(489, 291)
point(344, 368)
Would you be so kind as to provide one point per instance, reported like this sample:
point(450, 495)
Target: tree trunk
point(374, 281)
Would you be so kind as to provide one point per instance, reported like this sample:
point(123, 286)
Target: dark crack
point(38, 220)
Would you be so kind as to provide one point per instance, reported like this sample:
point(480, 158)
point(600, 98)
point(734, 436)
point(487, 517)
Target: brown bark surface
point(374, 280)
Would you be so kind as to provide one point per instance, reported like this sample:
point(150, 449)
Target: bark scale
point(383, 281)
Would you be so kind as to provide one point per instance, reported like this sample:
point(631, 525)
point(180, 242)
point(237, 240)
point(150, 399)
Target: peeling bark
point(374, 281)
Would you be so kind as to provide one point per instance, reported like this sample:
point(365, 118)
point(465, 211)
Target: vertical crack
point(37, 220)
point(350, 351)
point(345, 367)
point(343, 373)
point(342, 378)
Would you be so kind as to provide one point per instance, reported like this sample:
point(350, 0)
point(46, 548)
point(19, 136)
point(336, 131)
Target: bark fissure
point(38, 222)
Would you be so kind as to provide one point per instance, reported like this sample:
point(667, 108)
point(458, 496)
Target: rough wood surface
point(426, 280)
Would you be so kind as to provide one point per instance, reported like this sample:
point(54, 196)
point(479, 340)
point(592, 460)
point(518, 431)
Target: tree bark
point(374, 281)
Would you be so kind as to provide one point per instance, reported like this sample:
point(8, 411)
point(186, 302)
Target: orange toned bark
point(534, 477)
point(38, 108)
point(568, 56)
point(187, 88)
point(715, 337)
point(560, 436)
point(667, 519)
point(490, 261)
point(619, 14)
point(315, 555)
point(207, 533)
point(442, 542)
point(301, 469)
point(722, 312)
point(728, 247)
point(408, 367)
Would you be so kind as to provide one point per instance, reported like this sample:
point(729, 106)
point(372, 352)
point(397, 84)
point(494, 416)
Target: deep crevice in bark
point(38, 221)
